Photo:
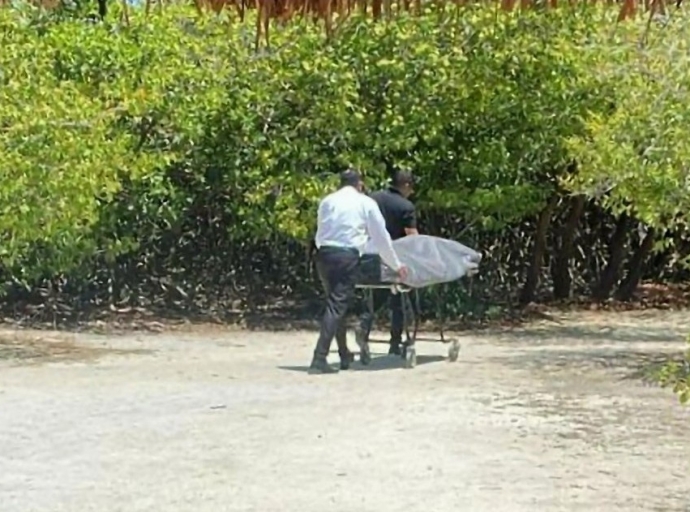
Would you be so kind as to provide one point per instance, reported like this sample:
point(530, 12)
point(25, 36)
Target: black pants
point(338, 270)
point(396, 308)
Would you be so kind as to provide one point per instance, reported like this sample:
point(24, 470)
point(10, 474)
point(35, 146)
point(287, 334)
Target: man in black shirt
point(401, 220)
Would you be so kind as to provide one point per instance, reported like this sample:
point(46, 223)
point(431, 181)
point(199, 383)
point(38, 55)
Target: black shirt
point(398, 211)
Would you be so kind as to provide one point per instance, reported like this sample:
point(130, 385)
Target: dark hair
point(403, 177)
point(350, 177)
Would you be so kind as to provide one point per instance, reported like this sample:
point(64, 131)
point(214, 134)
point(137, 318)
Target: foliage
point(677, 376)
point(86, 109)
point(163, 160)
point(635, 158)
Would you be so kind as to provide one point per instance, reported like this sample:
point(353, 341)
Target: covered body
point(430, 260)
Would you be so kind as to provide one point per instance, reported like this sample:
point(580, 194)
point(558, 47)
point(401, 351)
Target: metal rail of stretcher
point(409, 351)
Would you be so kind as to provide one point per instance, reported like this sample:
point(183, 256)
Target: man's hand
point(403, 272)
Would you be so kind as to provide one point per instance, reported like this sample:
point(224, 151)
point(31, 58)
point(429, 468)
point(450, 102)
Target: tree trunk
point(561, 266)
point(636, 267)
point(530, 287)
point(102, 9)
point(609, 276)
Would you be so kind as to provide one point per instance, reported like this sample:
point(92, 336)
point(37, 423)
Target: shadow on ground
point(378, 363)
point(30, 350)
point(593, 334)
point(632, 345)
point(626, 364)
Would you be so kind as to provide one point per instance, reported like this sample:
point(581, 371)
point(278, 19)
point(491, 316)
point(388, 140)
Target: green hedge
point(168, 147)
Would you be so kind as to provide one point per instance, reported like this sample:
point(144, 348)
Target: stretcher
point(411, 312)
point(430, 261)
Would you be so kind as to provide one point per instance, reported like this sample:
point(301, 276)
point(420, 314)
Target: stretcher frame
point(410, 311)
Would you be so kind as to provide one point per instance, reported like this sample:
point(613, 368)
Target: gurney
point(430, 261)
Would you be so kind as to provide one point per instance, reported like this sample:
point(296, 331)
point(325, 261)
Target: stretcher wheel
point(410, 357)
point(454, 351)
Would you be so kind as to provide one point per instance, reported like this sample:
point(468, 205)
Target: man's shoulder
point(345, 199)
point(326, 199)
point(382, 197)
point(336, 195)
point(407, 203)
point(394, 199)
point(368, 200)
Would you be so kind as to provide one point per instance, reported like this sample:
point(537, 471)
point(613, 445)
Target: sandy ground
point(549, 417)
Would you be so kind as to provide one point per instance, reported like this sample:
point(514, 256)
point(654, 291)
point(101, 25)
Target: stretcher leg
point(372, 313)
point(454, 350)
point(410, 311)
point(409, 351)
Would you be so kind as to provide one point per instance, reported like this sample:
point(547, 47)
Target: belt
point(335, 248)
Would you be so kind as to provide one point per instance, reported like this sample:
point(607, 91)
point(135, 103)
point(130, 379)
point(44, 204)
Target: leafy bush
point(635, 158)
point(88, 110)
point(165, 160)
point(676, 375)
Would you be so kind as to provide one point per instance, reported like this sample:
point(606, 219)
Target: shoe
point(347, 361)
point(364, 352)
point(394, 349)
point(321, 367)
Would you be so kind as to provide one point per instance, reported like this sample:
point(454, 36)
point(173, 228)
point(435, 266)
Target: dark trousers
point(396, 308)
point(338, 270)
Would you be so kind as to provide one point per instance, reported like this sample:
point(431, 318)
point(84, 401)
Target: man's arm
point(319, 221)
point(376, 227)
point(409, 221)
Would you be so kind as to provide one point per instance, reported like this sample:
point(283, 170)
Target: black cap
point(350, 178)
point(403, 177)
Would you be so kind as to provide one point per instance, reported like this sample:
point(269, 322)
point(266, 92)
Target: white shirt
point(347, 218)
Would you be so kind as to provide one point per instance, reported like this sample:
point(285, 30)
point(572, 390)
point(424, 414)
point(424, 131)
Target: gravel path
point(542, 418)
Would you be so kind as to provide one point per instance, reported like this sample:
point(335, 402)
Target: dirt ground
point(549, 417)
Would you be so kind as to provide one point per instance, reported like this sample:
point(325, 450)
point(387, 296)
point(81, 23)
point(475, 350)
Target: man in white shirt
point(347, 220)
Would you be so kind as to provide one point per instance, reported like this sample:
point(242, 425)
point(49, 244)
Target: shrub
point(167, 154)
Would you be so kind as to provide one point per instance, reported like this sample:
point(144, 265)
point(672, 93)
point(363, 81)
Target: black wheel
point(454, 351)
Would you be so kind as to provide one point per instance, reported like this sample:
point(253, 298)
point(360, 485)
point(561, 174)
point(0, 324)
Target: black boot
point(320, 367)
point(346, 361)
point(394, 349)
